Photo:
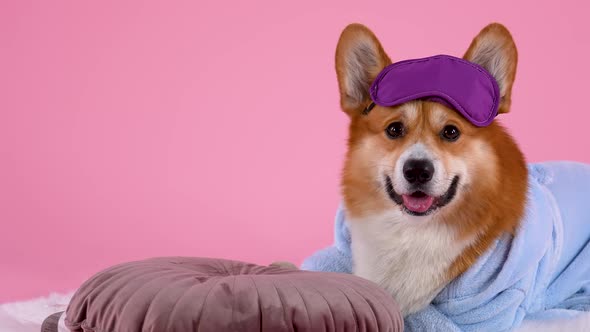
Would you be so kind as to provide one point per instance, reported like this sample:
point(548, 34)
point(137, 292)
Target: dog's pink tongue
point(418, 204)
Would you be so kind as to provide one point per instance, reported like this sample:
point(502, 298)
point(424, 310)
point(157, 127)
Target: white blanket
point(27, 316)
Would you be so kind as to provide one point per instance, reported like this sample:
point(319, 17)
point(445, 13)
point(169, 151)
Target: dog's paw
point(285, 265)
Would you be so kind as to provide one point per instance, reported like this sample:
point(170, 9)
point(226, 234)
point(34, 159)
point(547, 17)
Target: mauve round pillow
point(202, 294)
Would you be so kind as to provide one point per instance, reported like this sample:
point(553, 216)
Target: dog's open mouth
point(419, 203)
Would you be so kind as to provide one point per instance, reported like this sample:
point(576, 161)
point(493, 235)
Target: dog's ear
point(494, 50)
point(359, 59)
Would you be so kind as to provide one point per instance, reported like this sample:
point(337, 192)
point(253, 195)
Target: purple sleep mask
point(459, 84)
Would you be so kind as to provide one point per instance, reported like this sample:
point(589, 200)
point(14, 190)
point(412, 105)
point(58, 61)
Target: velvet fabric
point(202, 294)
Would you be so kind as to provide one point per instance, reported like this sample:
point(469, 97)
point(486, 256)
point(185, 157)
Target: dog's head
point(422, 160)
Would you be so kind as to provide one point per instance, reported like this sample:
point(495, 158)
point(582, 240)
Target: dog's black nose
point(418, 170)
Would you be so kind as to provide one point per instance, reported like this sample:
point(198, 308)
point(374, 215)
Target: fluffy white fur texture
point(27, 316)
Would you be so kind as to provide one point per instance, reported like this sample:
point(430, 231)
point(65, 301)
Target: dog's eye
point(450, 133)
point(395, 130)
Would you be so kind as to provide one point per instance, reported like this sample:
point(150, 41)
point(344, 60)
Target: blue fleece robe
point(541, 273)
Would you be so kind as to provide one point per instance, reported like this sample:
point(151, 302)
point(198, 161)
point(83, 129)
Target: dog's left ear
point(494, 50)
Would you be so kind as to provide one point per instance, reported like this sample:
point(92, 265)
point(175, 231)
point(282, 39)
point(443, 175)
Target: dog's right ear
point(359, 59)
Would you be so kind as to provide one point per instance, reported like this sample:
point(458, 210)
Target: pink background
point(212, 128)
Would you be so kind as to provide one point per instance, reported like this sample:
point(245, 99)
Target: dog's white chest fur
point(407, 256)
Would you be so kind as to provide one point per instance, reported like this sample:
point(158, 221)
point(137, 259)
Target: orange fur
point(493, 203)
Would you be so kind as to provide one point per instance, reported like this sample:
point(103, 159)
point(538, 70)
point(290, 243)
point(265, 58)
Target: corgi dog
point(426, 192)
